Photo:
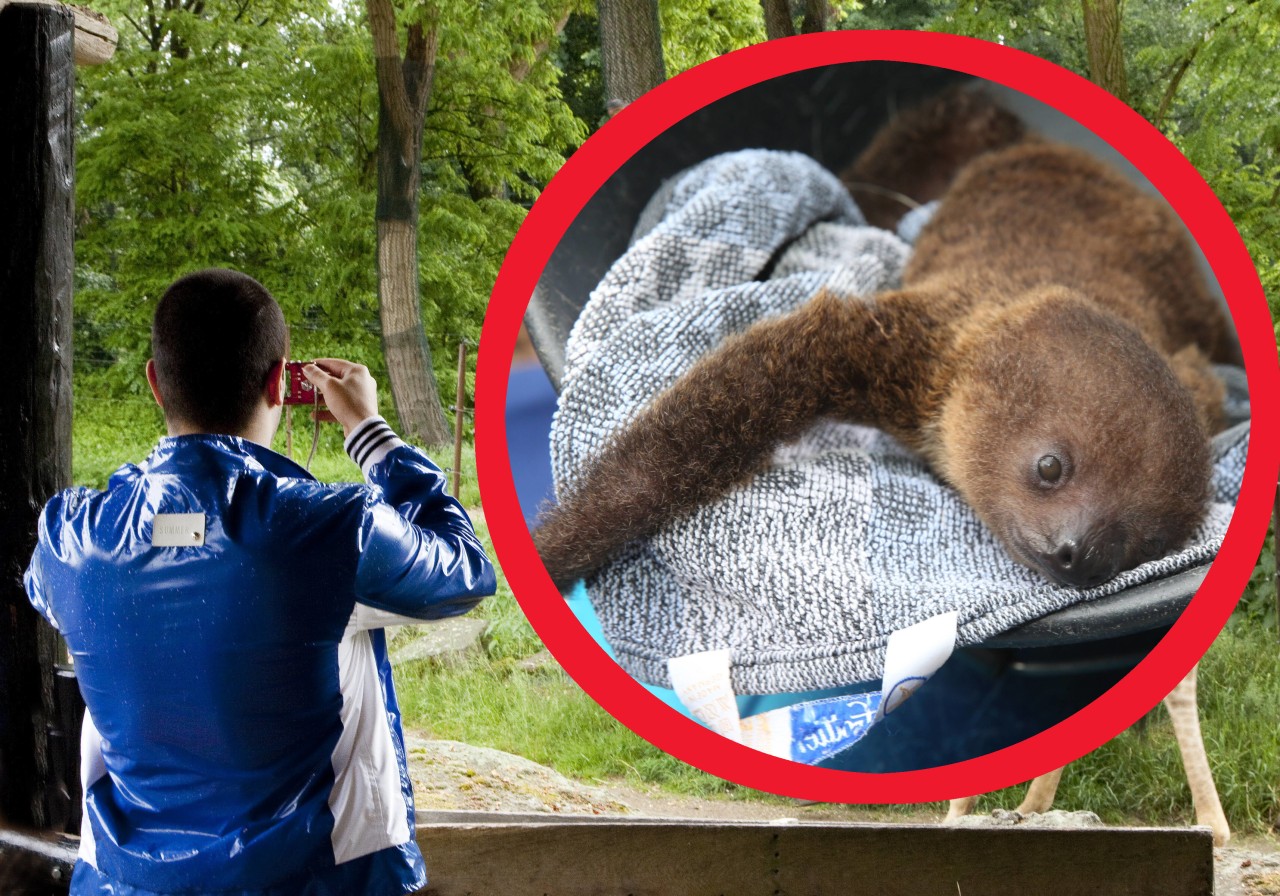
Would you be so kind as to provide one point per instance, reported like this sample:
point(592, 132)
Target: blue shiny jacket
point(242, 733)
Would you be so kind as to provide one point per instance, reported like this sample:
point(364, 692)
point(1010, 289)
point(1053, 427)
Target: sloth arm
point(719, 423)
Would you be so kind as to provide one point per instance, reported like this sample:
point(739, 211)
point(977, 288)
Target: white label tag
point(812, 731)
point(913, 655)
point(177, 530)
point(769, 732)
point(701, 681)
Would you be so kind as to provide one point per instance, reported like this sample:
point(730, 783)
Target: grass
point(542, 715)
point(537, 712)
point(1137, 777)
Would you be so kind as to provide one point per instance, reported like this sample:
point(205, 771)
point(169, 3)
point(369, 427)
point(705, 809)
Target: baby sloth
point(1047, 354)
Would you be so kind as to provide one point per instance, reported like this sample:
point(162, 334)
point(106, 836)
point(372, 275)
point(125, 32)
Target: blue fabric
point(396, 870)
point(531, 403)
point(211, 671)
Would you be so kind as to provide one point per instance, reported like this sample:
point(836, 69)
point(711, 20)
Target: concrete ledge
point(654, 857)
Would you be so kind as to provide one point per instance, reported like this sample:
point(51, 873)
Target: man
point(224, 612)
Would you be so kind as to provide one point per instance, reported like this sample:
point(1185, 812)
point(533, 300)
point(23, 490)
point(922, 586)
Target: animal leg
point(1039, 797)
point(960, 807)
point(719, 423)
point(1192, 369)
point(1185, 714)
point(1041, 793)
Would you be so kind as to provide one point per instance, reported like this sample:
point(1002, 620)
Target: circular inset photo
point(893, 387)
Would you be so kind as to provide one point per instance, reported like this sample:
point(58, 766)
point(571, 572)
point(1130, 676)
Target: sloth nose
point(1082, 564)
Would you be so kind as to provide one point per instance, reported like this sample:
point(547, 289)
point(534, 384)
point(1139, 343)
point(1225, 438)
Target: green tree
point(405, 80)
point(175, 168)
point(1220, 105)
point(1104, 43)
point(1204, 73)
point(248, 137)
point(694, 32)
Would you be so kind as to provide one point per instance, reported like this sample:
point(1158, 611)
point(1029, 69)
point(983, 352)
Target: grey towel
point(847, 537)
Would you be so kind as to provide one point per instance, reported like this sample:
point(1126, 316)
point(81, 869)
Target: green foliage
point(891, 15)
point(577, 57)
point(1258, 605)
point(496, 132)
point(1220, 106)
point(244, 135)
point(694, 31)
point(1239, 690)
point(109, 431)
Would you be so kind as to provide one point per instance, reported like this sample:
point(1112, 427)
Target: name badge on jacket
point(177, 530)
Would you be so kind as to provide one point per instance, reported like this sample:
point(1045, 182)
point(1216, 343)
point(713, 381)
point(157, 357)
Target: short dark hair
point(215, 336)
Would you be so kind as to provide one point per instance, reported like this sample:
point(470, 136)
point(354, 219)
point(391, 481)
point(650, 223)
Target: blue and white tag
point(815, 730)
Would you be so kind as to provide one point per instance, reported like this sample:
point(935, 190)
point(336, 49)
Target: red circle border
point(578, 180)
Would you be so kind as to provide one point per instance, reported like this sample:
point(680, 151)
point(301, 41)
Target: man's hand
point(348, 390)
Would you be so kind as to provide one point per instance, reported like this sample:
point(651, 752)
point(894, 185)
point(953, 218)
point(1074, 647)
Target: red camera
point(298, 389)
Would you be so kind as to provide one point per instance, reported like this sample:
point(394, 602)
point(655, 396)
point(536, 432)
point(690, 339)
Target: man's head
point(217, 340)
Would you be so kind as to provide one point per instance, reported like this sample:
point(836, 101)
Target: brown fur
point(919, 155)
point(1050, 309)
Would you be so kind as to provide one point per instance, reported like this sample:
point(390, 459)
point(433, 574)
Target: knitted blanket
point(847, 537)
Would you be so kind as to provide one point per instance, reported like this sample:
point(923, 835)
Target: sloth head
point(1073, 439)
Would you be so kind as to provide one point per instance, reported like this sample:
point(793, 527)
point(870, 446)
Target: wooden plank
point(995, 861)
point(95, 38)
point(655, 857)
point(571, 859)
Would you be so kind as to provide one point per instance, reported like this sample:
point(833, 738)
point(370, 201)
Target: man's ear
point(153, 382)
point(273, 391)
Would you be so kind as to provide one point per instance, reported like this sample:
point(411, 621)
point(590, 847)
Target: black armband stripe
point(360, 444)
point(380, 436)
point(369, 449)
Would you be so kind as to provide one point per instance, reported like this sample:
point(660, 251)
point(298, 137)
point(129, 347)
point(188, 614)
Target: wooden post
point(95, 39)
point(35, 406)
point(458, 414)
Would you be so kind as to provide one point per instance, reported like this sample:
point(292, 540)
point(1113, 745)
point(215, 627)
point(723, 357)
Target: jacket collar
point(222, 450)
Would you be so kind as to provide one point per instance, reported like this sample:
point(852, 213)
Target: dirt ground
point(452, 776)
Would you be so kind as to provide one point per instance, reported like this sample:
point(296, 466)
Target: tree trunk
point(36, 264)
point(817, 15)
point(777, 19)
point(404, 89)
point(630, 48)
point(413, 384)
point(1105, 46)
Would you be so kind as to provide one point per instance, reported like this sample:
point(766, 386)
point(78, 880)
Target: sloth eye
point(1050, 468)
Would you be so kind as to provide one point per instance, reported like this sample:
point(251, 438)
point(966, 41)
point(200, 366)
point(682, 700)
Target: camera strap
point(315, 434)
